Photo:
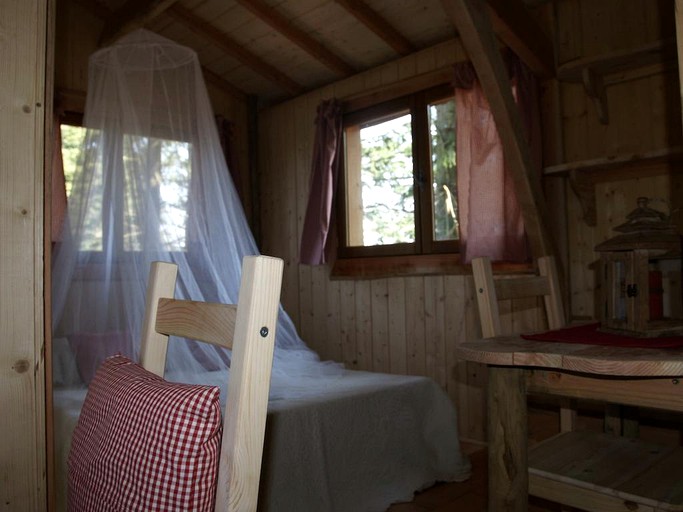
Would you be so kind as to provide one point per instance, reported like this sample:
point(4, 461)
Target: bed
point(349, 442)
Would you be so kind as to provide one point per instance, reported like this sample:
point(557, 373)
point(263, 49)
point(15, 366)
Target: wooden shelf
point(597, 72)
point(613, 468)
point(584, 174)
point(624, 166)
point(657, 52)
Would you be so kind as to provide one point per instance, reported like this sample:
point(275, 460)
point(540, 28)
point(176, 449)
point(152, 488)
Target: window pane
point(72, 142)
point(442, 153)
point(157, 177)
point(84, 189)
point(174, 192)
point(140, 164)
point(380, 201)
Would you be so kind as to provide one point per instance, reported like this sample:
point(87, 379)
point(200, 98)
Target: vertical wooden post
point(24, 41)
point(507, 436)
point(50, 128)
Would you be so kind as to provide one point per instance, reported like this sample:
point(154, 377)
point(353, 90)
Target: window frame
point(416, 104)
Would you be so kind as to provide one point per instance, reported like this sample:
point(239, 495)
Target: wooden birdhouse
point(641, 276)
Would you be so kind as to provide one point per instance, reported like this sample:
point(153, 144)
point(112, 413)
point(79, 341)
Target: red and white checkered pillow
point(144, 444)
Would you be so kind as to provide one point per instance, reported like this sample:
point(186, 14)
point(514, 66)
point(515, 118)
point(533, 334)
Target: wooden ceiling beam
point(381, 27)
point(268, 15)
point(132, 15)
point(471, 20)
point(514, 25)
point(228, 45)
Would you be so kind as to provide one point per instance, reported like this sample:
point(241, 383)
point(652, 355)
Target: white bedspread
point(349, 443)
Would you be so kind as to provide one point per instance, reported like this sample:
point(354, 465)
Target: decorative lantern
point(641, 276)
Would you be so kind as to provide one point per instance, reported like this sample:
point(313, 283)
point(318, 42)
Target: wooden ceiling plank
point(73, 100)
point(220, 39)
point(376, 23)
point(515, 26)
point(102, 11)
point(132, 15)
point(268, 15)
point(471, 20)
point(224, 85)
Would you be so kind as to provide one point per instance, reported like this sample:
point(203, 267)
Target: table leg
point(507, 438)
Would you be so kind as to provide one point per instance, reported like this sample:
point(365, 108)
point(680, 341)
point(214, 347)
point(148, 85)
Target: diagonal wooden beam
point(268, 15)
point(470, 18)
point(232, 47)
point(130, 16)
point(515, 26)
point(213, 78)
point(363, 13)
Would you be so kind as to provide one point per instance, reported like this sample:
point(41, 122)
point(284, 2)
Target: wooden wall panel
point(415, 326)
point(435, 340)
point(24, 46)
point(379, 289)
point(397, 335)
point(456, 302)
point(333, 339)
point(582, 261)
point(363, 325)
point(78, 30)
point(347, 307)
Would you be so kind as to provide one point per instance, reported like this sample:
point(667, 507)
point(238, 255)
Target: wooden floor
point(468, 496)
point(660, 428)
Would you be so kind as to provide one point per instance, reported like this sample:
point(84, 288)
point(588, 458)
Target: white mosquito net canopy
point(152, 184)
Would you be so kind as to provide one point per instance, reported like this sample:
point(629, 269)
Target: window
point(154, 171)
point(72, 141)
point(398, 185)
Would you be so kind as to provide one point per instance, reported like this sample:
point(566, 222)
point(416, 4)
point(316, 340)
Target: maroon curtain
point(324, 171)
point(490, 218)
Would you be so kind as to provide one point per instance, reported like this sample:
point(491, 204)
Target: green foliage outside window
point(387, 175)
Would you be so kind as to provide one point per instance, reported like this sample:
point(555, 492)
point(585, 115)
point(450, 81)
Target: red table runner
point(589, 335)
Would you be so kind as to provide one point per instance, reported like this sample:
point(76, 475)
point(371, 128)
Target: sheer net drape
point(151, 184)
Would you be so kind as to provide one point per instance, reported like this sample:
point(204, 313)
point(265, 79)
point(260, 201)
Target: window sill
point(413, 265)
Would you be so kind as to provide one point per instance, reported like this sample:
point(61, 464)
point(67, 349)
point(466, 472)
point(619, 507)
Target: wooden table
point(591, 471)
